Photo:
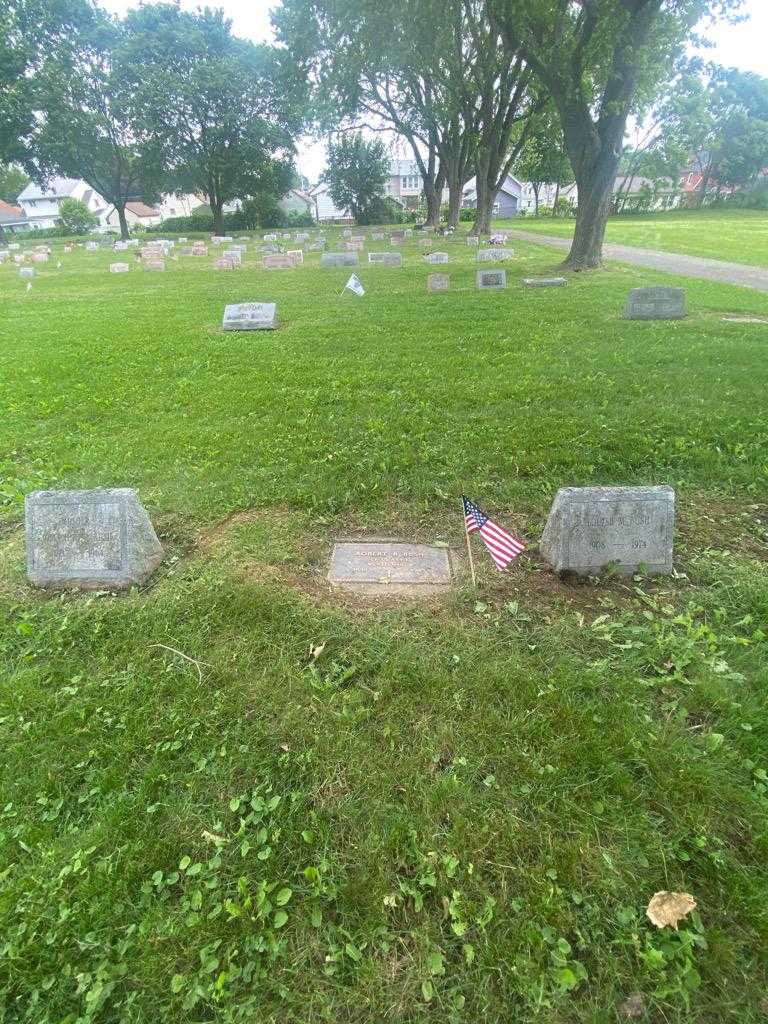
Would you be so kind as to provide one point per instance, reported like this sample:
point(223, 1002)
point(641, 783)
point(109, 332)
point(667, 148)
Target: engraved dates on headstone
point(438, 282)
point(589, 528)
point(492, 280)
point(655, 304)
point(92, 540)
point(390, 566)
point(339, 259)
point(250, 316)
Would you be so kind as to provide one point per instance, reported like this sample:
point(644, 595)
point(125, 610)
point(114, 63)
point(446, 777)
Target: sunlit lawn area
point(737, 235)
point(460, 810)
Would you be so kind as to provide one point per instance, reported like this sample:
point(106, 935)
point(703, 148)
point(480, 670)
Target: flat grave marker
point(545, 282)
point(93, 540)
point(436, 257)
point(438, 282)
point(390, 567)
point(494, 255)
point(278, 261)
point(589, 528)
point(119, 268)
point(656, 303)
point(26, 271)
point(250, 316)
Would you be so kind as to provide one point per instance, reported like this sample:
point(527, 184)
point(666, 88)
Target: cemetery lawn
point(739, 236)
point(459, 810)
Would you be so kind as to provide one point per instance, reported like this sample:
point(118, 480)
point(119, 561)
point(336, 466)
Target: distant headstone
point(390, 567)
point(233, 254)
point(492, 280)
point(317, 246)
point(396, 240)
point(225, 263)
point(377, 236)
point(91, 247)
point(387, 259)
point(153, 264)
point(297, 255)
point(92, 540)
point(438, 282)
point(436, 257)
point(301, 236)
point(199, 249)
point(473, 240)
point(545, 282)
point(495, 255)
point(14, 246)
point(339, 259)
point(26, 271)
point(119, 268)
point(270, 238)
point(286, 236)
point(268, 250)
point(589, 528)
point(657, 303)
point(187, 250)
point(278, 261)
point(182, 239)
point(250, 316)
point(346, 233)
point(354, 246)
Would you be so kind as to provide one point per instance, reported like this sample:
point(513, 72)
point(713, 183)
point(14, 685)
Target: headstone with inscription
point(545, 282)
point(386, 259)
point(377, 236)
point(297, 255)
point(589, 528)
point(657, 303)
point(491, 280)
point(278, 261)
point(354, 246)
point(438, 282)
point(250, 316)
point(339, 259)
point(93, 540)
point(270, 237)
point(26, 271)
point(390, 567)
point(436, 257)
point(119, 268)
point(473, 240)
point(318, 246)
point(495, 255)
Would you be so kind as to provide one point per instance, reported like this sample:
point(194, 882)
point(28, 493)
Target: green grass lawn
point(740, 236)
point(460, 810)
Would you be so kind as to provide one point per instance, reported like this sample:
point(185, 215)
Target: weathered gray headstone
point(26, 271)
point(390, 567)
point(318, 246)
point(119, 268)
point(438, 282)
point(657, 303)
point(278, 261)
point(93, 540)
point(339, 259)
point(250, 316)
point(545, 282)
point(269, 250)
point(387, 259)
point(589, 528)
point(377, 236)
point(436, 257)
point(495, 255)
point(492, 280)
point(473, 240)
point(297, 255)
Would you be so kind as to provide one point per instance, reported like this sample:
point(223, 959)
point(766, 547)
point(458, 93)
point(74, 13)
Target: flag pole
point(469, 552)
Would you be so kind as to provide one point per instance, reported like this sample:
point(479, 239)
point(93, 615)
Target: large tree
point(543, 159)
point(593, 57)
point(12, 182)
point(86, 128)
point(221, 110)
point(356, 174)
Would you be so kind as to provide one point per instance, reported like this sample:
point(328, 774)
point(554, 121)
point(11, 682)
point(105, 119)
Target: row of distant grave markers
point(103, 540)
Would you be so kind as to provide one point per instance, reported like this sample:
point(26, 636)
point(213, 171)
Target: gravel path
point(673, 263)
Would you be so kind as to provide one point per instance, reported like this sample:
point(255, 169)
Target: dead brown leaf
point(666, 909)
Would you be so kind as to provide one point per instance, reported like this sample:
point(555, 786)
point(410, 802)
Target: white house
point(41, 203)
point(325, 208)
point(138, 215)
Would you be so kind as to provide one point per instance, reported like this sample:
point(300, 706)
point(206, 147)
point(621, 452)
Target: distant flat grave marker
point(491, 280)
point(119, 268)
point(250, 316)
point(436, 257)
point(438, 282)
point(26, 271)
point(473, 240)
point(383, 567)
point(93, 540)
point(386, 259)
point(339, 259)
point(545, 282)
point(745, 320)
point(589, 528)
point(278, 261)
point(657, 303)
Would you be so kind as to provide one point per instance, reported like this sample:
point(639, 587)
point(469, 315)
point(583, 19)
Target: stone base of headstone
point(92, 540)
point(591, 528)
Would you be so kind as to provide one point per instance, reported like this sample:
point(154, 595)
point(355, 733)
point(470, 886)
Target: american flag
point(502, 546)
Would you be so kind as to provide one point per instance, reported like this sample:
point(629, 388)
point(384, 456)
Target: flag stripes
point(502, 546)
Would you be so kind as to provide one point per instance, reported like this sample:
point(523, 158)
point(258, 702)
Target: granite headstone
point(491, 280)
point(250, 316)
point(657, 303)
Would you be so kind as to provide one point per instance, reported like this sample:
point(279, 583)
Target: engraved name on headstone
point(438, 282)
point(250, 316)
point(657, 303)
point(93, 540)
point(491, 280)
point(589, 528)
point(390, 566)
point(339, 259)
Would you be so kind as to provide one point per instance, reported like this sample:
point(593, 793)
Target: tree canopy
point(356, 174)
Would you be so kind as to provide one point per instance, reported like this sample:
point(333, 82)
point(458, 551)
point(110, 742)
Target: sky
point(742, 46)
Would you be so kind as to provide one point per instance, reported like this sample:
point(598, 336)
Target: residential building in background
point(138, 215)
point(41, 203)
point(12, 218)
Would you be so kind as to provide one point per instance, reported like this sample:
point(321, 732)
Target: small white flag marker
point(354, 285)
point(58, 265)
point(29, 286)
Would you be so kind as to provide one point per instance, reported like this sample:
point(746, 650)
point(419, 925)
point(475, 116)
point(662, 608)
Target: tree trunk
point(3, 239)
point(217, 208)
point(454, 202)
point(557, 196)
point(486, 195)
point(125, 233)
point(535, 186)
point(594, 183)
point(432, 197)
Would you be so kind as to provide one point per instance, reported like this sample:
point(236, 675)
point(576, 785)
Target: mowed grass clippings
point(738, 236)
point(458, 810)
